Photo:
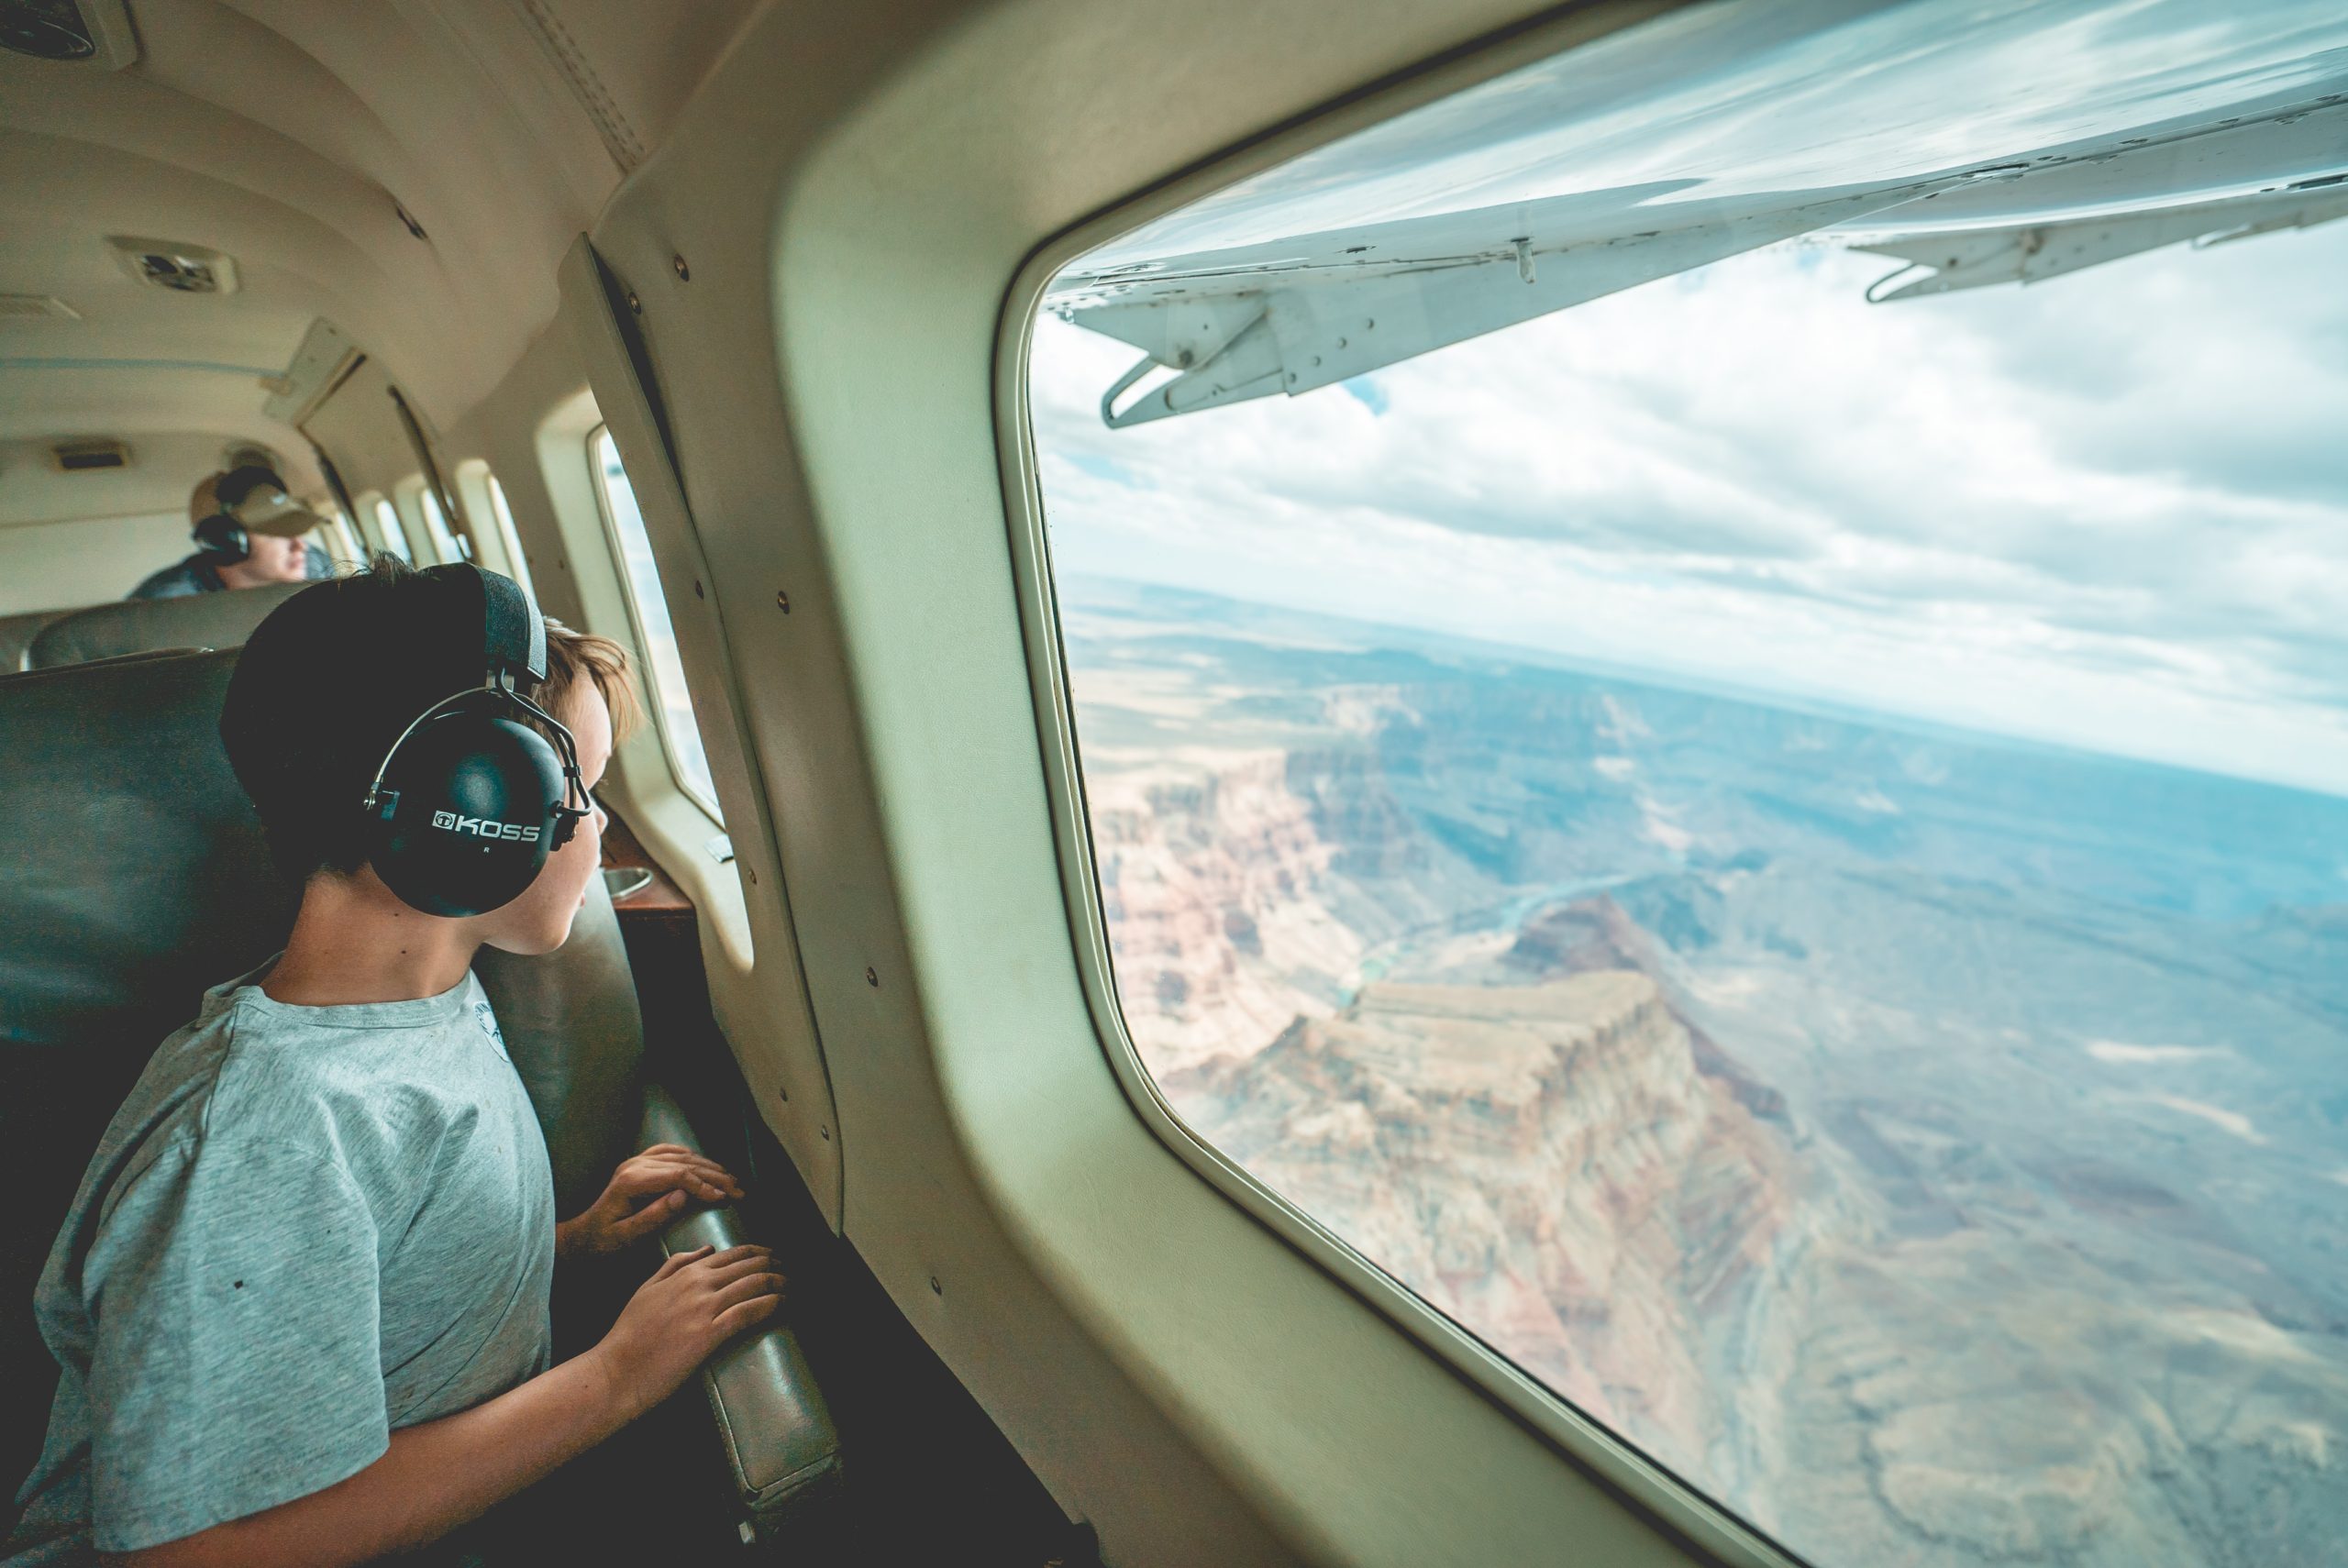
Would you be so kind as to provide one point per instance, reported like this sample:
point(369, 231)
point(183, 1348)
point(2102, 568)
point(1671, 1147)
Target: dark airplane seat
point(136, 877)
point(16, 634)
point(221, 619)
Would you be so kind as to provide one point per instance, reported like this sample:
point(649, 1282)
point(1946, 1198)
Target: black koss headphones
point(470, 800)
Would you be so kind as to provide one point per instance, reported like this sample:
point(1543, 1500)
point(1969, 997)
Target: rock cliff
point(1546, 1162)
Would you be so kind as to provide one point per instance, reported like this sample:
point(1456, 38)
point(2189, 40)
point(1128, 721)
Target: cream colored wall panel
point(89, 562)
point(359, 428)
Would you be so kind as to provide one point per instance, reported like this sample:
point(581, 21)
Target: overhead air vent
point(97, 31)
point(181, 268)
point(31, 307)
point(95, 452)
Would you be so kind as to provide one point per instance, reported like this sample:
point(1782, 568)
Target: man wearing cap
point(250, 534)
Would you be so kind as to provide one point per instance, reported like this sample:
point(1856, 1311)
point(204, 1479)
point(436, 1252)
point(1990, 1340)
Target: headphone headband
point(513, 633)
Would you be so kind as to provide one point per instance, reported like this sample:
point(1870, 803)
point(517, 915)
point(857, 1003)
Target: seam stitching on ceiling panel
point(619, 137)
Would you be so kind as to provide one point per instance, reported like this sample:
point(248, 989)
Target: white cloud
point(2120, 1052)
point(2110, 510)
point(2232, 1122)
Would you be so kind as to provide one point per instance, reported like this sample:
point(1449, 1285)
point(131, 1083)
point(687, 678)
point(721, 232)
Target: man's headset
point(240, 500)
point(470, 800)
point(224, 539)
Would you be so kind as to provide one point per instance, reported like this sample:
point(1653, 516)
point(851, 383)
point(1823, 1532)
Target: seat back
point(136, 875)
point(222, 620)
point(16, 634)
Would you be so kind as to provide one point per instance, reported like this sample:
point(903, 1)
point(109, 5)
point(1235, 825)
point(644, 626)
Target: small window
point(388, 532)
point(654, 633)
point(419, 507)
point(1749, 807)
point(337, 536)
point(450, 545)
point(510, 537)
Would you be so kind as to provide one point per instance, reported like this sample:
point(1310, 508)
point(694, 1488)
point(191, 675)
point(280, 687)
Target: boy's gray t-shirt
point(307, 1228)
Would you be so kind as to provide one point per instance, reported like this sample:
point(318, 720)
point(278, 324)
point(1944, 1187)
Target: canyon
point(1933, 1148)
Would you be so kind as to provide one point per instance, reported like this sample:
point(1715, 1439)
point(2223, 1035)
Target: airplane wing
point(1289, 315)
point(2031, 253)
point(1292, 316)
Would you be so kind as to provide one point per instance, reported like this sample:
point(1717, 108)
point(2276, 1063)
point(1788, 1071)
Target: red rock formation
point(1545, 1163)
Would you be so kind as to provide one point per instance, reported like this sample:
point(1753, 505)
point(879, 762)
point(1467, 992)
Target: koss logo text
point(484, 827)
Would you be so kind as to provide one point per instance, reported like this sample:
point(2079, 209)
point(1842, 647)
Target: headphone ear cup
point(224, 537)
point(473, 794)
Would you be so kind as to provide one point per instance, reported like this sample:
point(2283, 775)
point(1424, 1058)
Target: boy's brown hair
point(572, 656)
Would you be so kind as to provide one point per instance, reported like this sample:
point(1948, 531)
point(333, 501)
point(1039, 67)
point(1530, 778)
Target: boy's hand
point(695, 1303)
point(645, 1194)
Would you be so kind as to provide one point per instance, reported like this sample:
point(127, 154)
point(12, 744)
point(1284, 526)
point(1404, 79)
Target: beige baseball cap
point(256, 498)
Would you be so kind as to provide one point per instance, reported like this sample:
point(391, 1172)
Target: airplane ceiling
point(411, 171)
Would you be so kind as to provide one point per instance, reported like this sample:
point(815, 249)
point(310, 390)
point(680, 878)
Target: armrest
point(777, 1432)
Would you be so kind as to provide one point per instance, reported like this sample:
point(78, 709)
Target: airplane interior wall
point(63, 566)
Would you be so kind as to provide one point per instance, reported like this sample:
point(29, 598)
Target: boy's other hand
point(695, 1303)
point(645, 1194)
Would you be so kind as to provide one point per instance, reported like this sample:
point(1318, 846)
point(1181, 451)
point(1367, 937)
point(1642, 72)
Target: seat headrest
point(135, 876)
point(140, 625)
point(138, 874)
point(16, 634)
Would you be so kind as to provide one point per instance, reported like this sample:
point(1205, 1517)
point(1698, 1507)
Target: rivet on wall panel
point(871, 977)
point(782, 601)
point(684, 274)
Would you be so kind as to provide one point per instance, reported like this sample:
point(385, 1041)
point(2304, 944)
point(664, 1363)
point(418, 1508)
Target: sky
point(2108, 510)
point(1730, 98)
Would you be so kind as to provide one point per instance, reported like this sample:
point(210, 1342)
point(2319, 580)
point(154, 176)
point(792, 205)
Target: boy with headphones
point(248, 533)
point(300, 1303)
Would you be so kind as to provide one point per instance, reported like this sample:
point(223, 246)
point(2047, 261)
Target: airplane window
point(387, 527)
point(510, 537)
point(655, 634)
point(338, 538)
point(1709, 688)
point(445, 544)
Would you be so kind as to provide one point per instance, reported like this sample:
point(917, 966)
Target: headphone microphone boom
point(471, 798)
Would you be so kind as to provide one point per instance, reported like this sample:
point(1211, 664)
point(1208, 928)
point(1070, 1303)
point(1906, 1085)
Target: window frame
point(375, 508)
point(1678, 1504)
point(414, 501)
point(501, 520)
point(338, 526)
point(708, 806)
